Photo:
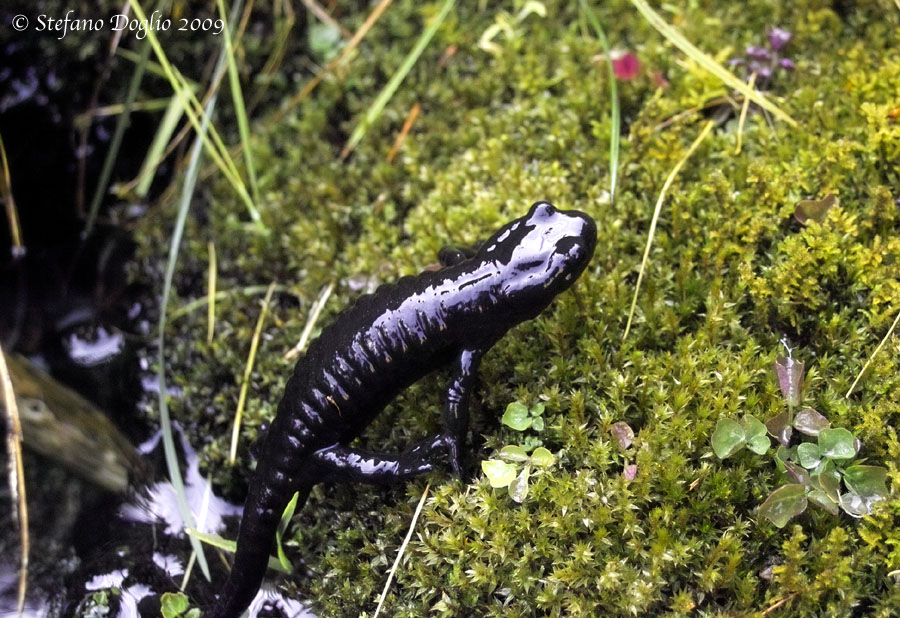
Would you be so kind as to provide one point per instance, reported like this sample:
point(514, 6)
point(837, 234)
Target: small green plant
point(822, 471)
point(175, 605)
point(505, 471)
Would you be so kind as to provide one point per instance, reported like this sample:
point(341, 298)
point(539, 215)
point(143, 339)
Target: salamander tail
point(262, 514)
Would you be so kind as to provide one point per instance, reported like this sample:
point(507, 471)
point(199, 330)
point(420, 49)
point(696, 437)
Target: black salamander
point(383, 343)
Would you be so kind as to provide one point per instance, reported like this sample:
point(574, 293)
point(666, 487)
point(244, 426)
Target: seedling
point(513, 468)
point(816, 470)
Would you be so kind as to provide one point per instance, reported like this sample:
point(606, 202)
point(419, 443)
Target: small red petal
point(626, 66)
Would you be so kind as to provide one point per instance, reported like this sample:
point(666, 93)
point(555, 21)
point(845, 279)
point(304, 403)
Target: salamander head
point(539, 256)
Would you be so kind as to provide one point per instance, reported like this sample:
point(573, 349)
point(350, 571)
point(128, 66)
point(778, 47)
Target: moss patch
point(731, 274)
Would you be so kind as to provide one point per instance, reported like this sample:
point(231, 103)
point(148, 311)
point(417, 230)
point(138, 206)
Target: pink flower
point(626, 65)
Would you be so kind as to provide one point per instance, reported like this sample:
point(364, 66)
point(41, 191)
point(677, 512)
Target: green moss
point(731, 273)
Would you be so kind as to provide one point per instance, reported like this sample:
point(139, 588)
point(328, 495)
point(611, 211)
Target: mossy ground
point(730, 275)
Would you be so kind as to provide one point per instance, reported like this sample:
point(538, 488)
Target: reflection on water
point(157, 504)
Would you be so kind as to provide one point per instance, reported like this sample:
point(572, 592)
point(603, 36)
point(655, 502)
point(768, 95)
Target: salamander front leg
point(456, 404)
point(343, 463)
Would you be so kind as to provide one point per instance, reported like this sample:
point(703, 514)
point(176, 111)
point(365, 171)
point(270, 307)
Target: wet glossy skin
point(382, 344)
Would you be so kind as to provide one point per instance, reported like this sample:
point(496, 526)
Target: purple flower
point(787, 64)
point(778, 38)
point(757, 52)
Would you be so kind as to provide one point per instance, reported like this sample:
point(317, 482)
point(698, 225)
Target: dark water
point(67, 304)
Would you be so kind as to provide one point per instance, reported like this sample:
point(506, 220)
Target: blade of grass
point(237, 98)
point(412, 526)
point(390, 88)
point(248, 369)
point(16, 476)
point(656, 211)
point(194, 305)
point(230, 546)
point(282, 527)
point(210, 137)
point(112, 153)
point(310, 322)
point(165, 421)
point(743, 119)
point(211, 294)
point(877, 349)
point(12, 215)
point(708, 63)
point(615, 116)
point(157, 151)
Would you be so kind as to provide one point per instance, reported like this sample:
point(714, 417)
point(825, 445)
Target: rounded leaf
point(780, 427)
point(728, 438)
point(537, 423)
point(516, 417)
point(821, 500)
point(518, 488)
point(537, 409)
point(759, 443)
point(790, 379)
point(837, 443)
point(499, 473)
point(784, 503)
point(514, 453)
point(808, 454)
point(753, 427)
point(810, 422)
point(623, 434)
point(868, 482)
point(828, 479)
point(853, 505)
point(542, 457)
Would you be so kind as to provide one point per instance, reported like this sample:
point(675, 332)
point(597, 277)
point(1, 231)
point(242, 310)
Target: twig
point(743, 119)
point(772, 608)
point(16, 474)
point(325, 18)
point(310, 322)
point(407, 125)
point(211, 293)
point(656, 211)
point(248, 369)
point(412, 526)
point(6, 195)
point(868, 362)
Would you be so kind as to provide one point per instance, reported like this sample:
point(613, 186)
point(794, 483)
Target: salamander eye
point(542, 210)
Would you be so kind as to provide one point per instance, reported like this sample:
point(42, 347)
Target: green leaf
point(868, 482)
point(854, 505)
point(753, 427)
point(541, 457)
point(796, 473)
point(514, 453)
point(499, 473)
point(782, 454)
point(784, 503)
point(790, 379)
point(518, 488)
point(780, 427)
point(759, 444)
point(728, 438)
point(828, 479)
point(516, 417)
point(537, 409)
point(821, 499)
point(816, 210)
point(173, 604)
point(537, 423)
point(810, 422)
point(809, 455)
point(837, 443)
